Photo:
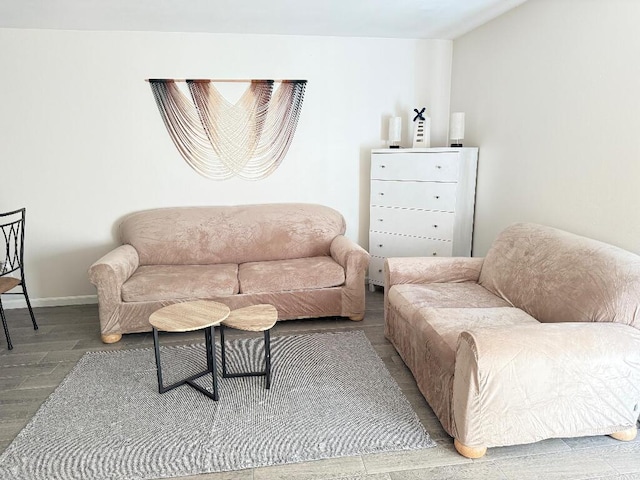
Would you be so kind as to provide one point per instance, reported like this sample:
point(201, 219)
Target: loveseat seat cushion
point(438, 312)
point(426, 337)
point(407, 298)
point(440, 327)
point(179, 282)
point(288, 275)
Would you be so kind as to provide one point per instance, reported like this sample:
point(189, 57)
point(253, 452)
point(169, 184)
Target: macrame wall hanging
point(220, 139)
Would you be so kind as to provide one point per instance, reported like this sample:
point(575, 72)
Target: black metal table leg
point(224, 356)
point(267, 358)
point(210, 342)
point(156, 347)
point(211, 366)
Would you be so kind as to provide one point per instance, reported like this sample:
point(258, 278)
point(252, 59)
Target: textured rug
point(331, 396)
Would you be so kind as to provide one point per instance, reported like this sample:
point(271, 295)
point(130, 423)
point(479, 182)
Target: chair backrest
point(12, 237)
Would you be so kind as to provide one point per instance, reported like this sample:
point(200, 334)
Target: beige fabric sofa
point(537, 340)
point(293, 256)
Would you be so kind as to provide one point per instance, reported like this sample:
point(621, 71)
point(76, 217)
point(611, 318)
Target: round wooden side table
point(187, 317)
point(255, 318)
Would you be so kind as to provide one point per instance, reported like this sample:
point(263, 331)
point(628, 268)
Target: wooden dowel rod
point(216, 80)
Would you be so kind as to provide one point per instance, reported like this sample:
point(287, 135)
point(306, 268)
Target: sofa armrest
point(431, 270)
point(355, 260)
point(108, 275)
point(349, 254)
point(524, 383)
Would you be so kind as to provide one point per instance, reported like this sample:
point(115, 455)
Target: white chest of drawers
point(422, 204)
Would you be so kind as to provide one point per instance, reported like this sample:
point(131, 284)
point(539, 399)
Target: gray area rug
point(331, 396)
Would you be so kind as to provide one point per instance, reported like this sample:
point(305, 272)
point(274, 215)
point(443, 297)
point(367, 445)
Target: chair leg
point(4, 324)
point(26, 297)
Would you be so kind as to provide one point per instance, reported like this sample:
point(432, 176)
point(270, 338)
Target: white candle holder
point(456, 129)
point(395, 132)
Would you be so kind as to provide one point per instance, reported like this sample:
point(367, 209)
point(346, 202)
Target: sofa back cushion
point(556, 276)
point(231, 234)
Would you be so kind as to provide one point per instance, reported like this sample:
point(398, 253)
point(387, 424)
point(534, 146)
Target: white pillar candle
point(395, 129)
point(456, 127)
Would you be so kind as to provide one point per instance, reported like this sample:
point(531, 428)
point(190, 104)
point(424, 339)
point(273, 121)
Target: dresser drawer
point(409, 194)
point(389, 245)
point(420, 223)
point(376, 270)
point(435, 167)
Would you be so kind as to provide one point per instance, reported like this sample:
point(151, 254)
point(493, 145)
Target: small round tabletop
point(255, 318)
point(189, 316)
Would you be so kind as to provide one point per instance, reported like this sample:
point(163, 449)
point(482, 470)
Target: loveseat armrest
point(521, 384)
point(399, 270)
point(355, 260)
point(108, 275)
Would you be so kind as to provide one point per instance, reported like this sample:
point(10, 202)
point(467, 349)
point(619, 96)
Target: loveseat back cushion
point(153, 283)
point(231, 234)
point(289, 275)
point(556, 276)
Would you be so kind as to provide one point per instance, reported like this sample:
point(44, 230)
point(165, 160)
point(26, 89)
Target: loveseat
point(539, 339)
point(293, 256)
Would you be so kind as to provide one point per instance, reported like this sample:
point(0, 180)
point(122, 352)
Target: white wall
point(551, 91)
point(82, 143)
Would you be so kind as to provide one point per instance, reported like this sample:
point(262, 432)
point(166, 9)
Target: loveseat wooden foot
point(112, 338)
point(625, 435)
point(357, 318)
point(469, 452)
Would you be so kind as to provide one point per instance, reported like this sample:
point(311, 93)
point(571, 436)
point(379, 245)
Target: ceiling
point(427, 19)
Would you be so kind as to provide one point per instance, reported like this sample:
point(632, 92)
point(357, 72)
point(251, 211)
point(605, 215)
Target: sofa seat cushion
point(439, 312)
point(178, 282)
point(407, 298)
point(288, 275)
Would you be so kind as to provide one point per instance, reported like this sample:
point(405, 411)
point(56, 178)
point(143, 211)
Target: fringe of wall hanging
point(219, 139)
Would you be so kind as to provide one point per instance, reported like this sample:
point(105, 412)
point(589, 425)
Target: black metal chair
point(12, 264)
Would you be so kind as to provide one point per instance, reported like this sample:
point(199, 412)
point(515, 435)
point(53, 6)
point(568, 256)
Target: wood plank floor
point(41, 359)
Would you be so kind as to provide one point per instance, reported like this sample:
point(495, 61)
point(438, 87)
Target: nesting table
point(256, 318)
point(206, 315)
point(187, 317)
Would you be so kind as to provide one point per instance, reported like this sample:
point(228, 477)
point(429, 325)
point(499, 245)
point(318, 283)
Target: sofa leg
point(112, 338)
point(469, 452)
point(625, 435)
point(357, 318)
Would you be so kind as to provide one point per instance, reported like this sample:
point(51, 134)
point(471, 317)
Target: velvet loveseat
point(293, 256)
point(537, 340)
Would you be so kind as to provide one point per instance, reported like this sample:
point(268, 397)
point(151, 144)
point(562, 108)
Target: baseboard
point(19, 302)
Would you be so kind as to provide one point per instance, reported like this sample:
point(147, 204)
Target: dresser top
point(423, 150)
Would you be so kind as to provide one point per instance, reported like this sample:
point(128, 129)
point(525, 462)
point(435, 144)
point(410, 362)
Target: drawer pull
point(435, 226)
point(379, 270)
point(380, 245)
point(381, 220)
point(438, 166)
point(437, 197)
point(382, 166)
point(434, 254)
point(381, 193)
